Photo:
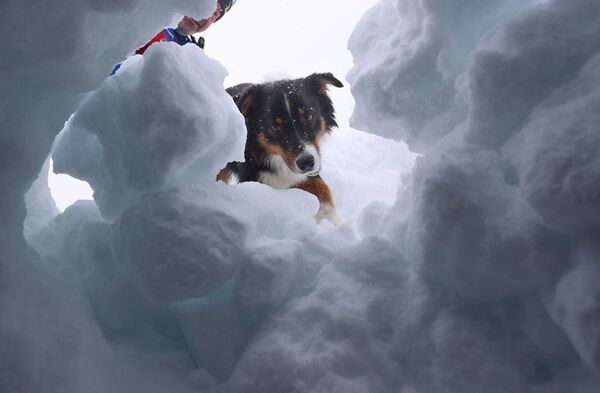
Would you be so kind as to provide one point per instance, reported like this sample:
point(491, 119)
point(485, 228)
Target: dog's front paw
point(327, 212)
point(227, 177)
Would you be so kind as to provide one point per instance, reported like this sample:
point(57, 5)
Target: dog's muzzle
point(314, 173)
point(309, 161)
point(306, 163)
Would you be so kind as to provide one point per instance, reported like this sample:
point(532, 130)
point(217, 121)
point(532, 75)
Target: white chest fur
point(281, 178)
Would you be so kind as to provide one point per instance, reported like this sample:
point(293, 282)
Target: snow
point(477, 272)
point(559, 164)
point(499, 215)
point(39, 203)
point(486, 255)
point(183, 243)
point(409, 58)
point(520, 73)
point(573, 303)
point(195, 130)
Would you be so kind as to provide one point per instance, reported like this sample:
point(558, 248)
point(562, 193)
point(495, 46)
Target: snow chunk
point(461, 240)
point(340, 310)
point(70, 242)
point(49, 337)
point(505, 109)
point(183, 243)
point(77, 246)
point(76, 45)
point(179, 249)
point(217, 333)
point(521, 63)
point(408, 56)
point(370, 321)
point(163, 118)
point(575, 303)
point(558, 154)
point(267, 274)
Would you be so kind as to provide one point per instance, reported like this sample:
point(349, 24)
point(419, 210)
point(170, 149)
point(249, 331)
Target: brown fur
point(317, 186)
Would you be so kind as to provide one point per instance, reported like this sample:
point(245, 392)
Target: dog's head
point(286, 120)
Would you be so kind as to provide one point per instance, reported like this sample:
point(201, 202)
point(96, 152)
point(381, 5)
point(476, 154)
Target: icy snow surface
point(482, 276)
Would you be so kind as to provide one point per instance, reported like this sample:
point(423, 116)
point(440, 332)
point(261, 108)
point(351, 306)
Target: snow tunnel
point(465, 170)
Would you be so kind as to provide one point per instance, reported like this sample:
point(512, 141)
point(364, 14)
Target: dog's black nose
point(306, 163)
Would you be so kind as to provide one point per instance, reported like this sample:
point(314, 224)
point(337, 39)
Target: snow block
point(163, 119)
point(473, 233)
point(217, 334)
point(409, 58)
point(574, 303)
point(557, 154)
point(76, 245)
point(185, 242)
point(178, 247)
point(267, 274)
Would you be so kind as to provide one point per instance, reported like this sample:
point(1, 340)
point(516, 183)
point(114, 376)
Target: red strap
point(157, 38)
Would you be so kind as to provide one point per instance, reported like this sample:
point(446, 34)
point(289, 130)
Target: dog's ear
point(244, 96)
point(326, 79)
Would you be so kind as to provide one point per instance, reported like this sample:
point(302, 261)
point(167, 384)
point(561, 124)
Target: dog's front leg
point(233, 173)
point(317, 186)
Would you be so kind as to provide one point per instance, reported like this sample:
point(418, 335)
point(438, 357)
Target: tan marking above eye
point(278, 121)
point(301, 111)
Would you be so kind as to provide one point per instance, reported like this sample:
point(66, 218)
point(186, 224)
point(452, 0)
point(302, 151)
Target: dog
point(286, 121)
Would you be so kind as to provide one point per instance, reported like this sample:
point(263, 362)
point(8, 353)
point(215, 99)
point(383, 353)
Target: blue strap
point(176, 37)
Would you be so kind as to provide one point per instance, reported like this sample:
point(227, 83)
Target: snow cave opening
point(480, 275)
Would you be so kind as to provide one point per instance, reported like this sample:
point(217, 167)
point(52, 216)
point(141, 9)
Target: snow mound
point(575, 306)
point(50, 341)
point(408, 59)
point(519, 64)
point(163, 117)
point(460, 242)
point(499, 218)
point(184, 243)
point(559, 159)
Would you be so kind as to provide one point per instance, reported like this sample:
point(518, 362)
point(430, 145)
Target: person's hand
point(189, 25)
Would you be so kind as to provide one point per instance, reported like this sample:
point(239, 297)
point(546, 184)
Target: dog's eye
point(275, 128)
point(307, 117)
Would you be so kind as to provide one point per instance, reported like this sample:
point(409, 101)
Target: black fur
point(287, 113)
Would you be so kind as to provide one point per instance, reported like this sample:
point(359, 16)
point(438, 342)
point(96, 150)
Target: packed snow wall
point(53, 52)
point(482, 277)
point(500, 220)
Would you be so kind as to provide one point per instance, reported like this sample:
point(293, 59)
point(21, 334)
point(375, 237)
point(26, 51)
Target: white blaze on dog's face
point(308, 161)
point(281, 177)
